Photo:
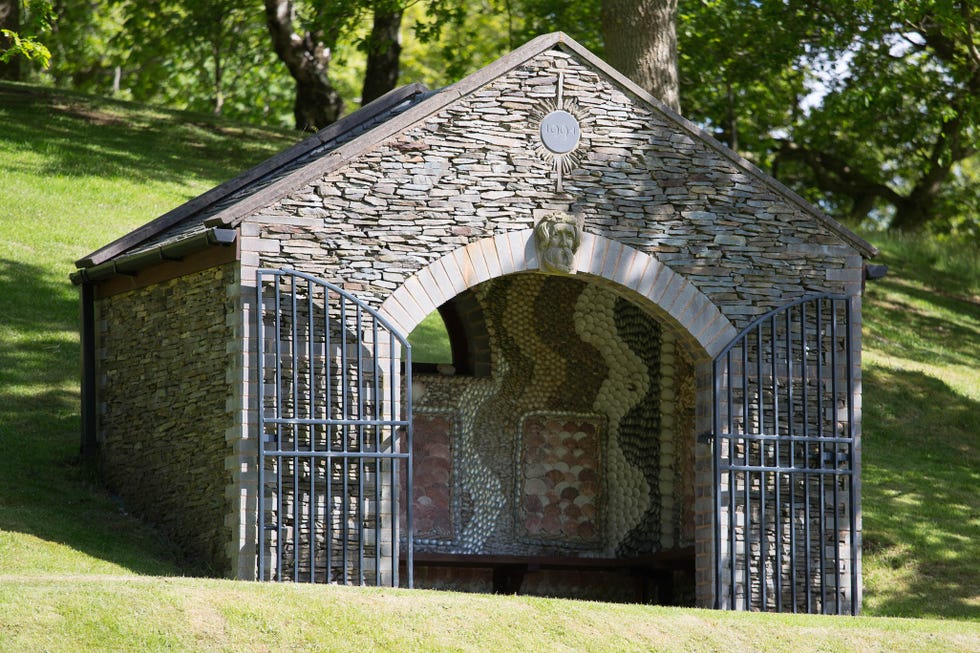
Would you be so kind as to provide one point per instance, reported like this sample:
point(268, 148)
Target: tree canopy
point(868, 108)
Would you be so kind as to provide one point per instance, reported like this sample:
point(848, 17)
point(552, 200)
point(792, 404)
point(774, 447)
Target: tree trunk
point(308, 59)
point(384, 50)
point(641, 42)
point(9, 19)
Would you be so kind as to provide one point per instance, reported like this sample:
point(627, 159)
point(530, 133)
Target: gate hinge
point(706, 438)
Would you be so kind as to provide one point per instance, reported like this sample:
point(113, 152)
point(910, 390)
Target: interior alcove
point(576, 444)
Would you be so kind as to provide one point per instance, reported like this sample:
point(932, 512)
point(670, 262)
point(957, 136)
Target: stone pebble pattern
point(536, 393)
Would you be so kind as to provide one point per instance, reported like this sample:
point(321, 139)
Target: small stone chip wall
point(475, 170)
point(162, 397)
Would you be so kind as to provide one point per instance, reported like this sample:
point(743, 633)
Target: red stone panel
point(432, 468)
point(559, 478)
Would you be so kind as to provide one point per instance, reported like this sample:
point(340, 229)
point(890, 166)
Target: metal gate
point(784, 462)
point(334, 382)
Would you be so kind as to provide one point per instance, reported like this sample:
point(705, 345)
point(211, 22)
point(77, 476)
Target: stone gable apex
point(353, 138)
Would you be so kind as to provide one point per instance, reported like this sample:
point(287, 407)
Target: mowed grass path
point(78, 573)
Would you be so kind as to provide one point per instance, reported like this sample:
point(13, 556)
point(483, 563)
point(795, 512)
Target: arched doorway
point(569, 469)
point(686, 325)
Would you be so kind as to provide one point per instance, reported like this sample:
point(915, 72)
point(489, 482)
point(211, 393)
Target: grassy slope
point(922, 432)
point(76, 172)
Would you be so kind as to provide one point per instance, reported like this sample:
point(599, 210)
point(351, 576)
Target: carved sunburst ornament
point(560, 132)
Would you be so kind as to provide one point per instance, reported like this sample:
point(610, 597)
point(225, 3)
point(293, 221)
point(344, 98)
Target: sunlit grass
point(78, 614)
point(921, 459)
point(81, 173)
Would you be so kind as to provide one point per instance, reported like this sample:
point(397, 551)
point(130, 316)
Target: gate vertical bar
point(746, 478)
point(716, 458)
point(330, 430)
point(778, 526)
point(360, 446)
point(376, 397)
point(278, 402)
point(409, 471)
point(763, 538)
point(260, 384)
point(806, 461)
point(311, 399)
point(352, 437)
point(345, 461)
point(836, 447)
point(805, 454)
point(821, 477)
point(791, 475)
point(852, 462)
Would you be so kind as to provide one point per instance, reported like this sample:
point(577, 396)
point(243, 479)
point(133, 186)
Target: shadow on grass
point(900, 329)
point(921, 468)
point(44, 490)
point(77, 136)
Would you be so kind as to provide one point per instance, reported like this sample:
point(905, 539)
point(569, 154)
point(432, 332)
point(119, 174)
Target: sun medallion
point(560, 132)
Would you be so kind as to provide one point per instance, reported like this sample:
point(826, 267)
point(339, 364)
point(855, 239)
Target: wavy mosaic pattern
point(565, 352)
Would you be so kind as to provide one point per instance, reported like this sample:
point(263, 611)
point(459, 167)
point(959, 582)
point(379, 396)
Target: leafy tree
point(306, 36)
point(16, 45)
point(223, 64)
point(869, 107)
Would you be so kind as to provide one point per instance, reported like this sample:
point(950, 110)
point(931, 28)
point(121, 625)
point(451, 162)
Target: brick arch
point(666, 293)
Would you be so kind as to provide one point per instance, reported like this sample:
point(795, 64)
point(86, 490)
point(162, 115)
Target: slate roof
point(226, 205)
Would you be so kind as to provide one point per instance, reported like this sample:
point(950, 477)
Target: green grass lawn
point(78, 573)
point(922, 432)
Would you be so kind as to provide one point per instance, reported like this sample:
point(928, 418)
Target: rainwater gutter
point(130, 264)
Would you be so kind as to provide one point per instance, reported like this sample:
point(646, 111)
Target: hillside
point(76, 172)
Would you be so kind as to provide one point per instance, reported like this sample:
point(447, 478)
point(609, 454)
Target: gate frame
point(397, 378)
point(851, 439)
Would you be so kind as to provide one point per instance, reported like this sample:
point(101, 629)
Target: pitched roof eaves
point(436, 101)
point(215, 195)
point(865, 248)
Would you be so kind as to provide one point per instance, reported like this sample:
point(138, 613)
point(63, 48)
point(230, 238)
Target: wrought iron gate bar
point(334, 422)
point(785, 479)
point(335, 426)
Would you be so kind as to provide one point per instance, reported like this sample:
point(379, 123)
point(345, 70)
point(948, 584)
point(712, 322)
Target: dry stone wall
point(477, 168)
point(162, 396)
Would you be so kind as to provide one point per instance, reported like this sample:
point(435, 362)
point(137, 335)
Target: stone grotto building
point(653, 391)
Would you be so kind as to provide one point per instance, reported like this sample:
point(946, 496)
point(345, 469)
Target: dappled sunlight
point(919, 499)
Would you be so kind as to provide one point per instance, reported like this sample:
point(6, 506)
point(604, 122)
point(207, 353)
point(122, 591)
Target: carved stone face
point(557, 237)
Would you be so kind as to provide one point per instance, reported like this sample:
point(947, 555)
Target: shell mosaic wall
point(579, 443)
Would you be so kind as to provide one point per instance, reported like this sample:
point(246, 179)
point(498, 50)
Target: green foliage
point(21, 42)
point(24, 46)
point(870, 109)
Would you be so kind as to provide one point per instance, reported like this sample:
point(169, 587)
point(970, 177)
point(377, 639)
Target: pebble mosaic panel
point(560, 478)
point(577, 383)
